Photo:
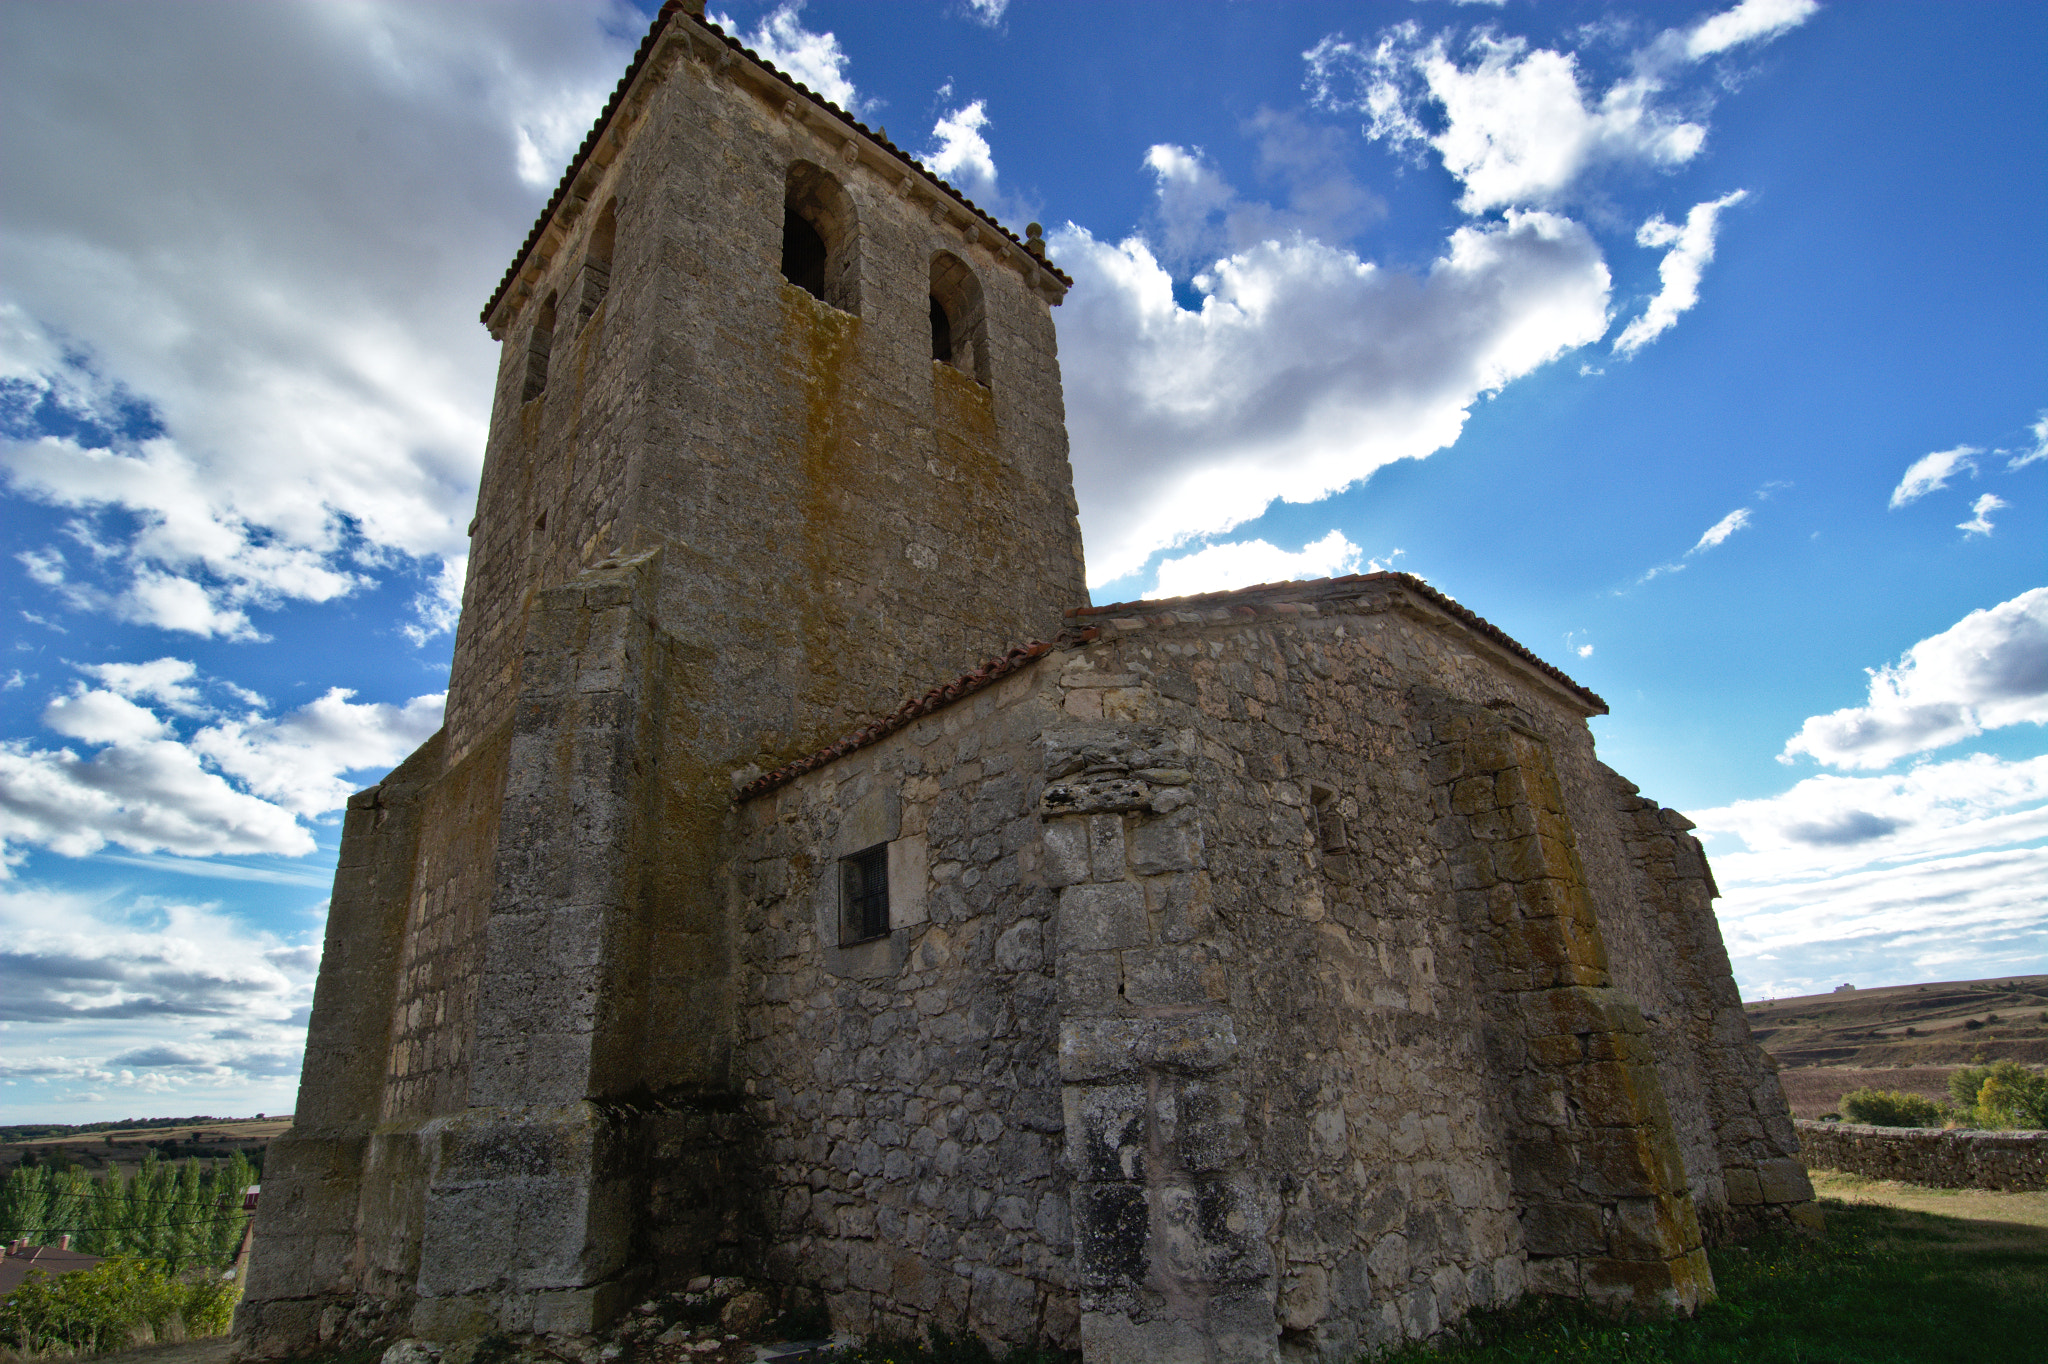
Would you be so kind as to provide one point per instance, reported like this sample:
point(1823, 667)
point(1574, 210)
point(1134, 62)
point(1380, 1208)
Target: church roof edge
point(1274, 598)
point(1350, 584)
point(669, 11)
point(1311, 589)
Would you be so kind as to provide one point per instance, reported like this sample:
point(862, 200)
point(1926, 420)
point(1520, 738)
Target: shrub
point(2002, 1094)
point(1892, 1108)
point(94, 1309)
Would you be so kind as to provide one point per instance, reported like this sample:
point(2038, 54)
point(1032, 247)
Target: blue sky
point(1700, 347)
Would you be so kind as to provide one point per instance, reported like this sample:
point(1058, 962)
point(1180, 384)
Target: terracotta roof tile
point(968, 683)
point(670, 11)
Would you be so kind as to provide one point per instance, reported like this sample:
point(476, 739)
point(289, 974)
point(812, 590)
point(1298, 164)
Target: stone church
point(1255, 976)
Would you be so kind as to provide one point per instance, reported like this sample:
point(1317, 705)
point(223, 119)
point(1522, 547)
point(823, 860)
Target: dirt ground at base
point(212, 1350)
point(1974, 1205)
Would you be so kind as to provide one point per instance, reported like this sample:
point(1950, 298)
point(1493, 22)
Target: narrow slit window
point(942, 332)
point(595, 277)
point(537, 347)
point(864, 895)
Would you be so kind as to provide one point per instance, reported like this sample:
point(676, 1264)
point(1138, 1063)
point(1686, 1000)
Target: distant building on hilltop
point(1273, 970)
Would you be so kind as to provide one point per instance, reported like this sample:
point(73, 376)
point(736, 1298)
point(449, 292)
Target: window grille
point(864, 895)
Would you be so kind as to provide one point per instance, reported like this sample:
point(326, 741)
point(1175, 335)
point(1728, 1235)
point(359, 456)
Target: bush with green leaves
point(2003, 1094)
point(1892, 1108)
point(95, 1309)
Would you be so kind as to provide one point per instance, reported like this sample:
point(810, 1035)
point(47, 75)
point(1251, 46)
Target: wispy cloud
point(1980, 515)
point(1930, 472)
point(1714, 536)
point(1692, 246)
point(1749, 22)
point(2040, 450)
point(988, 12)
point(1719, 532)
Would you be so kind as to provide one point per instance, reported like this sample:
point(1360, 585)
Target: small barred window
point(864, 895)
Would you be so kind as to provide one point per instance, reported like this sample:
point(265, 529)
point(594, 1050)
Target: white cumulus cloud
point(1517, 127)
point(281, 380)
point(1247, 563)
point(959, 153)
point(1304, 369)
point(1987, 671)
point(1942, 867)
point(238, 785)
point(298, 761)
point(1692, 246)
point(1930, 472)
point(814, 58)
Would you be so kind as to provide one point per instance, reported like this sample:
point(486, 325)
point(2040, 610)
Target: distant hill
point(95, 1147)
point(1945, 1023)
point(1907, 1037)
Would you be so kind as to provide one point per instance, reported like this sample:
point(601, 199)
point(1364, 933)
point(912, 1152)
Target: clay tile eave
point(913, 708)
point(666, 15)
point(1278, 596)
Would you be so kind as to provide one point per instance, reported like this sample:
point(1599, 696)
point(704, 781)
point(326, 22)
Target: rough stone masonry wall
point(922, 519)
point(1733, 1123)
point(1356, 993)
point(2013, 1161)
point(902, 1093)
point(1277, 1109)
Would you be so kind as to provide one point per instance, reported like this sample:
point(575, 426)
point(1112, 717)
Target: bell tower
point(778, 438)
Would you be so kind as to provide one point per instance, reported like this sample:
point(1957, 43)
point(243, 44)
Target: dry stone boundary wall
point(2011, 1161)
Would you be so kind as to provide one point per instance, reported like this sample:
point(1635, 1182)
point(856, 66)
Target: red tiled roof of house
point(16, 1267)
point(669, 12)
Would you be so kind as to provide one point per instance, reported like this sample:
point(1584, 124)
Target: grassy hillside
point(1908, 1037)
point(123, 1145)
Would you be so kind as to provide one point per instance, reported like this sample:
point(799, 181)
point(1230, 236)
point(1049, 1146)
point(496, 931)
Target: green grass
point(1884, 1286)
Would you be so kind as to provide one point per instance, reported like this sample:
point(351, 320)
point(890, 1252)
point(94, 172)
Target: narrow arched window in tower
point(820, 239)
point(959, 321)
point(595, 277)
point(537, 347)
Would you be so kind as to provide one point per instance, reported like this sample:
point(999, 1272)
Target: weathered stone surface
point(2016, 1161)
point(1275, 962)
